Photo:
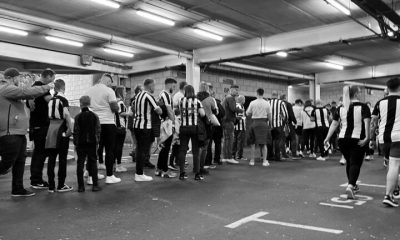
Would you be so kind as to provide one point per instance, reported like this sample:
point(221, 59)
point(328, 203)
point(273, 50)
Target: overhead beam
point(370, 72)
point(51, 57)
point(155, 64)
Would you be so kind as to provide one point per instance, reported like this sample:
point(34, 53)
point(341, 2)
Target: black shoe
point(96, 189)
point(149, 165)
point(40, 186)
point(52, 189)
point(390, 202)
point(204, 172)
point(183, 176)
point(23, 193)
point(198, 177)
point(356, 189)
point(81, 189)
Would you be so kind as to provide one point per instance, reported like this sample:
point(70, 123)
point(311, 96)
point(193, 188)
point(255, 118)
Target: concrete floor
point(291, 192)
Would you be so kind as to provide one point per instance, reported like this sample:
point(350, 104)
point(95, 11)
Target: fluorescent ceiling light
point(155, 17)
point(339, 6)
point(208, 34)
point(108, 3)
point(13, 31)
point(64, 41)
point(334, 65)
point(118, 52)
point(282, 54)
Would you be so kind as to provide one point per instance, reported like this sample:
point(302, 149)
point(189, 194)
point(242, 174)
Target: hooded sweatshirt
point(306, 118)
point(13, 116)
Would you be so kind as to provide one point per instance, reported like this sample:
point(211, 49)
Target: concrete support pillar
point(315, 89)
point(312, 89)
point(193, 74)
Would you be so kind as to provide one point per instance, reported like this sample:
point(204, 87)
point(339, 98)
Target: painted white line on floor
point(359, 183)
point(336, 205)
point(256, 218)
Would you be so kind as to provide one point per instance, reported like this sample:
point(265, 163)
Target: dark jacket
point(87, 128)
point(231, 109)
point(291, 117)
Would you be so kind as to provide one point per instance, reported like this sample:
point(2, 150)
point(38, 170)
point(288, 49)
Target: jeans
point(276, 142)
point(107, 139)
point(13, 154)
point(62, 152)
point(39, 154)
point(238, 143)
point(119, 146)
point(145, 139)
point(229, 129)
point(86, 152)
point(162, 162)
point(321, 135)
point(186, 134)
point(203, 153)
point(217, 150)
point(354, 155)
point(309, 139)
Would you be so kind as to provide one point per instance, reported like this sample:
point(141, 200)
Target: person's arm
point(200, 110)
point(269, 114)
point(374, 126)
point(231, 103)
point(153, 103)
point(249, 111)
point(97, 129)
point(19, 93)
point(77, 130)
point(332, 130)
point(112, 101)
point(284, 111)
point(67, 117)
point(366, 116)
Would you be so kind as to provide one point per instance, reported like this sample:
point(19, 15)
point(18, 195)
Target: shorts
point(259, 132)
point(390, 149)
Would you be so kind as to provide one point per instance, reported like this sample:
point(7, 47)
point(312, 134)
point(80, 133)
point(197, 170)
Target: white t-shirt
point(100, 98)
point(259, 109)
point(176, 99)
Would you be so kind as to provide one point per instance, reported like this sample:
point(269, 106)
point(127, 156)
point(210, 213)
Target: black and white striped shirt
point(189, 108)
point(352, 120)
point(279, 112)
point(241, 124)
point(388, 110)
point(321, 116)
point(144, 104)
point(56, 106)
point(166, 98)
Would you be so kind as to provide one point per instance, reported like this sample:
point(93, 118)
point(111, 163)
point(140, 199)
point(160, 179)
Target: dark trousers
point(39, 154)
point(13, 154)
point(186, 134)
point(321, 133)
point(309, 139)
point(62, 153)
point(144, 141)
point(229, 128)
point(119, 146)
point(354, 155)
point(162, 162)
point(291, 140)
point(203, 153)
point(107, 139)
point(238, 143)
point(173, 160)
point(86, 152)
point(276, 141)
point(217, 150)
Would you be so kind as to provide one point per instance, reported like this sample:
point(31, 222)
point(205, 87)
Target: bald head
point(274, 94)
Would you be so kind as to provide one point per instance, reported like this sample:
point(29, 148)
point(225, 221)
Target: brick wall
point(76, 86)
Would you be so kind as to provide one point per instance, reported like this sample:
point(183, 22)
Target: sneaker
point(385, 162)
point(212, 166)
point(251, 162)
point(158, 173)
point(350, 192)
point(356, 189)
point(100, 176)
point(112, 179)
point(206, 166)
point(120, 168)
point(173, 167)
point(143, 178)
point(149, 165)
point(23, 193)
point(101, 166)
point(330, 151)
point(312, 155)
point(96, 189)
point(396, 193)
point(265, 164)
point(40, 186)
point(65, 188)
point(86, 174)
point(367, 158)
point(321, 158)
point(232, 161)
point(198, 177)
point(301, 154)
point(169, 174)
point(390, 202)
point(183, 176)
point(51, 190)
point(242, 159)
point(224, 160)
point(89, 181)
point(342, 161)
point(371, 158)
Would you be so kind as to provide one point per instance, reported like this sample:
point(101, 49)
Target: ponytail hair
point(349, 92)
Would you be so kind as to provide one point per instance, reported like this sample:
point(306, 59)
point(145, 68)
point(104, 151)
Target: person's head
point(138, 89)
point(59, 86)
point(84, 101)
point(241, 99)
point(318, 103)
point(204, 87)
point(260, 92)
point(333, 104)
point(298, 102)
point(307, 103)
point(149, 85)
point(170, 85)
point(189, 91)
point(12, 76)
point(182, 86)
point(48, 76)
point(106, 79)
point(234, 90)
point(274, 94)
point(351, 92)
point(120, 92)
point(328, 106)
point(393, 85)
point(211, 89)
point(283, 97)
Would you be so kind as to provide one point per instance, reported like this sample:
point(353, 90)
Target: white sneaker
point(169, 174)
point(330, 151)
point(112, 179)
point(89, 181)
point(232, 161)
point(300, 154)
point(120, 168)
point(342, 161)
point(100, 176)
point(251, 163)
point(224, 160)
point(321, 158)
point(312, 155)
point(86, 174)
point(102, 166)
point(143, 178)
point(265, 163)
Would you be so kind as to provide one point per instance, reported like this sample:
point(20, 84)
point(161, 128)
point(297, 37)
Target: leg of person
point(162, 163)
point(241, 139)
point(38, 158)
point(183, 148)
point(293, 140)
point(92, 163)
point(265, 152)
point(143, 148)
point(110, 131)
point(196, 156)
point(235, 144)
point(208, 161)
point(392, 174)
point(100, 150)
point(228, 141)
point(173, 160)
point(356, 159)
point(203, 155)
point(306, 141)
point(119, 147)
point(80, 164)
point(312, 142)
point(8, 151)
point(320, 136)
point(253, 155)
point(345, 147)
point(62, 165)
point(51, 164)
point(277, 137)
point(217, 149)
point(282, 144)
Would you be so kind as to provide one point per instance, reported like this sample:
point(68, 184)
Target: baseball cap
point(11, 72)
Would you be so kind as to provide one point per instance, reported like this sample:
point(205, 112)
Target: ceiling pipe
point(267, 70)
point(88, 32)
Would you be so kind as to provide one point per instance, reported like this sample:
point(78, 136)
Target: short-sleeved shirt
point(189, 108)
point(100, 98)
point(122, 109)
point(143, 107)
point(166, 98)
point(39, 116)
point(259, 109)
point(176, 99)
point(352, 120)
point(57, 105)
point(240, 125)
point(388, 110)
point(321, 116)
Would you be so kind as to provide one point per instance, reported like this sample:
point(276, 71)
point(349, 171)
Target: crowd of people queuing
point(181, 121)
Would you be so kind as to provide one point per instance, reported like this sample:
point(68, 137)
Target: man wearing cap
point(13, 127)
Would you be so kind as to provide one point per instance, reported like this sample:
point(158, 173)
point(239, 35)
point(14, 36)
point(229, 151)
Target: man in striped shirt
point(387, 111)
point(240, 130)
point(321, 116)
point(279, 116)
point(143, 107)
point(166, 99)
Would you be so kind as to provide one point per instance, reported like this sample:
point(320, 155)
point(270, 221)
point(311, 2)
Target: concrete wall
point(298, 92)
point(331, 93)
